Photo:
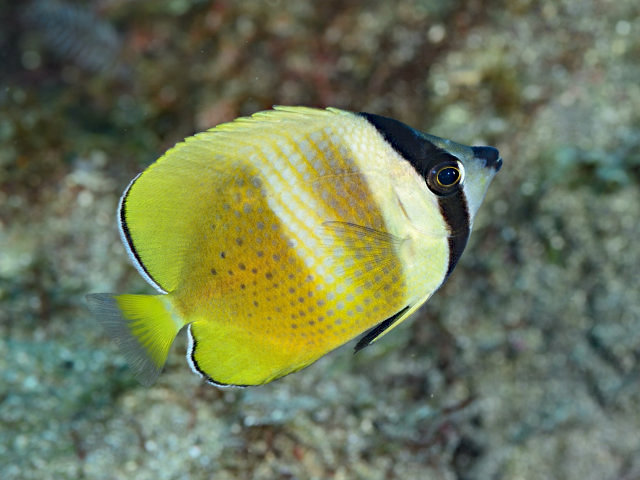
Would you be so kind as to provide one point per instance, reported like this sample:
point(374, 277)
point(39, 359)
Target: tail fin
point(143, 326)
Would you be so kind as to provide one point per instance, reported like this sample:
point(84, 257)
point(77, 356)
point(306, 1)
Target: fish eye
point(448, 176)
point(444, 177)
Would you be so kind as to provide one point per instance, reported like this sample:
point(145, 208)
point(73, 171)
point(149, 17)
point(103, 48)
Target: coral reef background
point(526, 364)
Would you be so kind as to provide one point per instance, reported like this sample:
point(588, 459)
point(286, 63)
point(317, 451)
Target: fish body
point(276, 238)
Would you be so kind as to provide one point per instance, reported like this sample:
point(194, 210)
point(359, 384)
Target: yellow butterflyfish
point(276, 238)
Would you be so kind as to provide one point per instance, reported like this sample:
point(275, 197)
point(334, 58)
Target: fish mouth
point(490, 155)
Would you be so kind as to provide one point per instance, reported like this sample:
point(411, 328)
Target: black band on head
point(455, 212)
point(423, 155)
point(409, 143)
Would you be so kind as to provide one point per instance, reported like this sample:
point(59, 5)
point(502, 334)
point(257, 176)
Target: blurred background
point(525, 365)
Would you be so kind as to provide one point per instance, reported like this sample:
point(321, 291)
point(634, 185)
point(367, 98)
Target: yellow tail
point(143, 326)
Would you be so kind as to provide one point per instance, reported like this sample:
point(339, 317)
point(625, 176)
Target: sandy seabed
point(525, 365)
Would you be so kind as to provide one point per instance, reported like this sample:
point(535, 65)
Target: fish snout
point(490, 155)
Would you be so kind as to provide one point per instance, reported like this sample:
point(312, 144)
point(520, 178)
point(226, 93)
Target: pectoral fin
point(363, 255)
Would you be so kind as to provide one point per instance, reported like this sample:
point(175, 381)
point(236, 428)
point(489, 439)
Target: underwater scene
point(303, 258)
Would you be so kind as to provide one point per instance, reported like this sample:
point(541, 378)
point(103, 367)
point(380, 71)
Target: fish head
point(470, 169)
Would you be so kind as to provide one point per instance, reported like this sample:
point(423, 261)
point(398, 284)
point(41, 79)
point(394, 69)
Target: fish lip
point(497, 165)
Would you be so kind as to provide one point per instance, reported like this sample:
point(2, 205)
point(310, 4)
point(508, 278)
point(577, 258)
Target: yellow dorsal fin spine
point(278, 114)
point(143, 327)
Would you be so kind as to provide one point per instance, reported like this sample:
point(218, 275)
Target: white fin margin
point(190, 346)
point(130, 251)
point(192, 364)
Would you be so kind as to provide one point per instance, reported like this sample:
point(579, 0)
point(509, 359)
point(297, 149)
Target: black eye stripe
point(424, 156)
point(455, 211)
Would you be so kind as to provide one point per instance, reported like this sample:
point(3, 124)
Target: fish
point(276, 238)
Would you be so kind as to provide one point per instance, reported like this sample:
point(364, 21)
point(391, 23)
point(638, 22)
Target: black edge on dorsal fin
point(378, 330)
point(125, 236)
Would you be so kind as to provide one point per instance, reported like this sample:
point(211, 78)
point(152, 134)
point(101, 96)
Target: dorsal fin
point(163, 210)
